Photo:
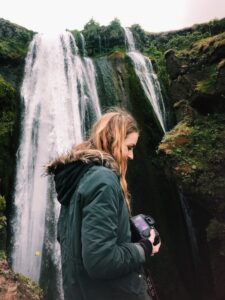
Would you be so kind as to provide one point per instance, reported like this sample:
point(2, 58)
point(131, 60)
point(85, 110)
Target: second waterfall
point(149, 81)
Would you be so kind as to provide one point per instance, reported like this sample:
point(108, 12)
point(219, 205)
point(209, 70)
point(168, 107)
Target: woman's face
point(129, 144)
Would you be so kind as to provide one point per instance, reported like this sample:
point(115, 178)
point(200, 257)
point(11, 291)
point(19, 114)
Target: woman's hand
point(155, 248)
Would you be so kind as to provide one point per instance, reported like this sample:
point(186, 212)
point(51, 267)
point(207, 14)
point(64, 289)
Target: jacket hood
point(69, 168)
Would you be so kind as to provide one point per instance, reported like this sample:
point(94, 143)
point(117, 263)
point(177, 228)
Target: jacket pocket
point(133, 284)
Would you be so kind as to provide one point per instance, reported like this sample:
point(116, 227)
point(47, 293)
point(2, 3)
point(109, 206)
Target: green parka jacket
point(99, 261)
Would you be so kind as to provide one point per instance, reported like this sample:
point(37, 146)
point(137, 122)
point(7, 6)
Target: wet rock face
point(198, 75)
point(220, 86)
point(194, 148)
point(194, 153)
point(208, 104)
point(175, 66)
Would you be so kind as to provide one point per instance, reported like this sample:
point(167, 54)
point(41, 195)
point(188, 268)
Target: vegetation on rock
point(14, 41)
point(3, 223)
point(207, 85)
point(16, 286)
point(196, 152)
point(101, 40)
point(184, 38)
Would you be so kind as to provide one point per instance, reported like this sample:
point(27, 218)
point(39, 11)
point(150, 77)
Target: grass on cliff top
point(12, 50)
point(3, 220)
point(203, 48)
point(200, 52)
point(2, 204)
point(2, 255)
point(7, 92)
point(215, 41)
point(207, 86)
point(7, 121)
point(196, 153)
point(29, 284)
point(14, 42)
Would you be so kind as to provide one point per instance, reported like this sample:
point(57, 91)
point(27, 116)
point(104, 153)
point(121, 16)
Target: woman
point(99, 261)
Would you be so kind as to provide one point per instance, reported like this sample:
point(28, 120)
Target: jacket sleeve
point(103, 256)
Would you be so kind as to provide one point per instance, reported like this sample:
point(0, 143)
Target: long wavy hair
point(107, 135)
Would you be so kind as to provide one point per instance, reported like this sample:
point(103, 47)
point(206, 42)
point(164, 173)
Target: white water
point(83, 43)
point(190, 230)
point(57, 92)
point(144, 70)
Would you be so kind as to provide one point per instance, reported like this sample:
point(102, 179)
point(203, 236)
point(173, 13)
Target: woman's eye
point(130, 148)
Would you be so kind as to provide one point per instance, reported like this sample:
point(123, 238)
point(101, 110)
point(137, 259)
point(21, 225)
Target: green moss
point(215, 41)
point(2, 203)
point(7, 144)
point(2, 255)
point(207, 86)
point(185, 38)
point(29, 284)
point(14, 41)
point(6, 89)
point(216, 231)
point(3, 222)
point(7, 95)
point(7, 121)
point(196, 153)
point(117, 54)
point(179, 42)
point(204, 48)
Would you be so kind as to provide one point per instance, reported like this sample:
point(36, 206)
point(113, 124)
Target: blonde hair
point(108, 135)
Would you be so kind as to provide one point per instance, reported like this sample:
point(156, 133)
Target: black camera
point(141, 226)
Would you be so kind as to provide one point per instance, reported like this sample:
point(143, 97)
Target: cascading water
point(100, 44)
point(190, 230)
point(59, 98)
point(105, 83)
point(83, 44)
point(144, 70)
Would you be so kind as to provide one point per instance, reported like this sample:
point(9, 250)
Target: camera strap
point(151, 286)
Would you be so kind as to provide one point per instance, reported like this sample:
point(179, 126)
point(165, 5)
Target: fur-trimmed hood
point(89, 156)
point(69, 168)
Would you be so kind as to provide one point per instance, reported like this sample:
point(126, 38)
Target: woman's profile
point(99, 261)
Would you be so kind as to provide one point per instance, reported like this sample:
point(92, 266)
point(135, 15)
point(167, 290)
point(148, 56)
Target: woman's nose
point(130, 155)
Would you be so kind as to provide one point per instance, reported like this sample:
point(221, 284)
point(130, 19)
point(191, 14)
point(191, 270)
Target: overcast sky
point(152, 15)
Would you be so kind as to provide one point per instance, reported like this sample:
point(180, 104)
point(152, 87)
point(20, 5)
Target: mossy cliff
point(14, 41)
point(194, 150)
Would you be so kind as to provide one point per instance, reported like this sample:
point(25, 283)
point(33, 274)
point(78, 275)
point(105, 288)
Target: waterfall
point(144, 70)
point(60, 102)
point(100, 44)
point(87, 89)
point(190, 230)
point(105, 87)
point(84, 52)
